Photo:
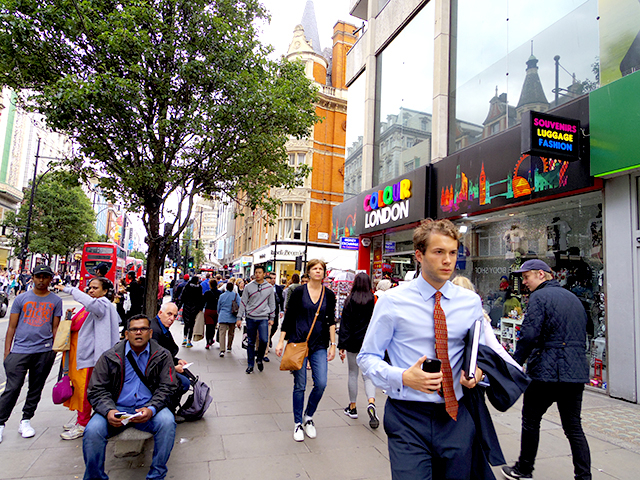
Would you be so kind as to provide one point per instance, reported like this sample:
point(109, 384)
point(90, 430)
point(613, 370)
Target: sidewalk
point(247, 433)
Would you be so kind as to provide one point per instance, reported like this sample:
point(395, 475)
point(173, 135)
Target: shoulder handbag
point(62, 342)
point(63, 389)
point(295, 353)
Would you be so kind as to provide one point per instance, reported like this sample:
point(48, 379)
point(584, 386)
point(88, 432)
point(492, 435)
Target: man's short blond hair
point(428, 226)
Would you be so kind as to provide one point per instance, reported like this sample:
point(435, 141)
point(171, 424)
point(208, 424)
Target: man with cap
point(34, 319)
point(553, 340)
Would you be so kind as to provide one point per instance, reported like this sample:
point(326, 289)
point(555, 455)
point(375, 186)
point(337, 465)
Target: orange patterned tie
point(442, 352)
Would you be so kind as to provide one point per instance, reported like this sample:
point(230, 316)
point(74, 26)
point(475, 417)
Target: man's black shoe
point(512, 473)
point(249, 370)
point(260, 366)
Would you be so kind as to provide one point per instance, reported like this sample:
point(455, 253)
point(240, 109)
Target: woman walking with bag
point(310, 316)
point(356, 316)
point(94, 330)
point(227, 317)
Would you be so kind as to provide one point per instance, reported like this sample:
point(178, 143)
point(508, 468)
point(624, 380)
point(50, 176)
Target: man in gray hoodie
point(258, 306)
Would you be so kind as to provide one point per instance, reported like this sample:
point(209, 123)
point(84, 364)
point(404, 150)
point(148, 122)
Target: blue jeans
point(319, 366)
point(184, 383)
point(260, 327)
point(98, 431)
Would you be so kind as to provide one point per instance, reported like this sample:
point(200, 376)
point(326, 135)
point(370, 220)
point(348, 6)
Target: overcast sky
point(286, 14)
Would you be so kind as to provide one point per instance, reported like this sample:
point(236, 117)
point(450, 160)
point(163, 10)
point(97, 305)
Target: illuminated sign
point(550, 136)
point(389, 204)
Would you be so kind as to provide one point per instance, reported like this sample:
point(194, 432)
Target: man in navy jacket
point(553, 340)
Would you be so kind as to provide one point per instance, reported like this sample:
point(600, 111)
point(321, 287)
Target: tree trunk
point(154, 263)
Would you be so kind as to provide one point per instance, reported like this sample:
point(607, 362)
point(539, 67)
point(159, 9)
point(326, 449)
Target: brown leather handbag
point(295, 353)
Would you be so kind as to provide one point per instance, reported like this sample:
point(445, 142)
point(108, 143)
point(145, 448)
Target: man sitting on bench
point(144, 388)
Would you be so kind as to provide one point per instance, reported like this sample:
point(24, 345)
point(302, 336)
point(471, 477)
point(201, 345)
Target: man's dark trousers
point(16, 366)
point(537, 399)
point(425, 443)
point(257, 327)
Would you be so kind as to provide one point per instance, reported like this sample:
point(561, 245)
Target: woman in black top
point(304, 302)
point(210, 299)
point(356, 316)
point(191, 299)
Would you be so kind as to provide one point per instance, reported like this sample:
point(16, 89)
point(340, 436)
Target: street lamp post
point(34, 186)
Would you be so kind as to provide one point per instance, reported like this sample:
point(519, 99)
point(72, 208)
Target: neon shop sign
point(388, 204)
point(551, 136)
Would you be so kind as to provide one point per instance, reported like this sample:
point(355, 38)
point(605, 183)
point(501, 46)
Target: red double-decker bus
point(134, 265)
point(95, 253)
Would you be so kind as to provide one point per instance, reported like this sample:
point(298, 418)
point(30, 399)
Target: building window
point(290, 227)
point(296, 159)
point(504, 69)
point(398, 114)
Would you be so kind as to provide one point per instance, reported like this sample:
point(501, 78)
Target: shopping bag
point(198, 328)
point(62, 342)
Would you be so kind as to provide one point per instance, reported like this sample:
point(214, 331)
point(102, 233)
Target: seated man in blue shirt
point(430, 432)
point(148, 393)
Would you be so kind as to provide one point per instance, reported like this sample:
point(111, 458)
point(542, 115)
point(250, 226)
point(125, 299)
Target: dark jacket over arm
point(108, 377)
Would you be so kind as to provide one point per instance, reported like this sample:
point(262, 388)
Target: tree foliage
point(62, 218)
point(137, 254)
point(163, 97)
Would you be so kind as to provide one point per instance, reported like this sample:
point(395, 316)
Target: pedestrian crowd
point(411, 339)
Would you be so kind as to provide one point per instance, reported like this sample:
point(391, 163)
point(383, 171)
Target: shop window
point(567, 235)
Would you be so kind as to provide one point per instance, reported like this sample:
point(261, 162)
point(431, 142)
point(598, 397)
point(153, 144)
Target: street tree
point(62, 218)
point(165, 99)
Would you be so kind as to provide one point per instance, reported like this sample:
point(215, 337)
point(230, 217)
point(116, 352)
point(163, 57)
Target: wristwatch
point(333, 343)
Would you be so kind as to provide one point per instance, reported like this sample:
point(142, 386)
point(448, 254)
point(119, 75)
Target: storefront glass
point(565, 233)
point(505, 55)
point(355, 133)
point(398, 255)
point(404, 100)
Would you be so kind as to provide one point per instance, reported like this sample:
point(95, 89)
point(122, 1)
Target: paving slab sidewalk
point(247, 433)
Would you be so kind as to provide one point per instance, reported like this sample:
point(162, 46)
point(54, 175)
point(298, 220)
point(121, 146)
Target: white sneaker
point(26, 429)
point(1, 431)
point(298, 433)
point(310, 429)
point(69, 426)
point(76, 432)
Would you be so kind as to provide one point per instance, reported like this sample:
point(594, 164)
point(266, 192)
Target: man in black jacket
point(136, 376)
point(160, 326)
point(553, 339)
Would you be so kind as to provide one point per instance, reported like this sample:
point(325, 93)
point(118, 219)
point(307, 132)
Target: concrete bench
point(130, 442)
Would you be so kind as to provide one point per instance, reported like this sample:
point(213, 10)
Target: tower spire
point(310, 26)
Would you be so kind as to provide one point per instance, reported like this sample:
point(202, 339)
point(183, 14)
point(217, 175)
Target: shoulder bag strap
point(317, 313)
point(64, 365)
point(133, 363)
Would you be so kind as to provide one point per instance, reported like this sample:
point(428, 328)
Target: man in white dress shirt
point(426, 437)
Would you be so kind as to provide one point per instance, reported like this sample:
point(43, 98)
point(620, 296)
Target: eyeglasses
point(139, 330)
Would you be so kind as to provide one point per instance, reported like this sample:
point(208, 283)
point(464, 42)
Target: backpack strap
point(133, 363)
